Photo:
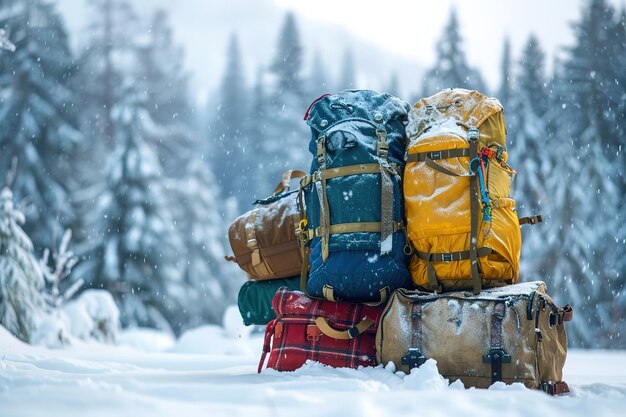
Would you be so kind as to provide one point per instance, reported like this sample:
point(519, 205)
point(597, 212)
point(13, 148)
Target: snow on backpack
point(353, 226)
point(461, 220)
point(264, 240)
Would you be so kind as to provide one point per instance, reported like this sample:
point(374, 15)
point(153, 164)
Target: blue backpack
point(353, 228)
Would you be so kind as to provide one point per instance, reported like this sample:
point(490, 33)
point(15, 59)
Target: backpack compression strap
point(383, 167)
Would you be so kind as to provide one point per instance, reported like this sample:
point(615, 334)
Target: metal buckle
point(447, 257)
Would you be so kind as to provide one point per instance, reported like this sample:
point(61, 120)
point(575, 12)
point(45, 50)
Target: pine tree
point(135, 249)
point(211, 282)
point(161, 75)
point(319, 80)
point(38, 123)
point(111, 38)
point(21, 278)
point(287, 65)
point(587, 204)
point(506, 81)
point(528, 151)
point(393, 87)
point(230, 146)
point(286, 147)
point(347, 78)
point(451, 69)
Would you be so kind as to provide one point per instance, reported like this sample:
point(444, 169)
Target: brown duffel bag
point(510, 334)
point(264, 240)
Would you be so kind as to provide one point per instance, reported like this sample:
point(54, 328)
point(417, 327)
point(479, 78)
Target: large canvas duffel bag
point(510, 334)
point(353, 195)
point(264, 240)
point(335, 334)
point(255, 299)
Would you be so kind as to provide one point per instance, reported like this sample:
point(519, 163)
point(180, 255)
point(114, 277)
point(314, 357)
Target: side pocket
point(502, 235)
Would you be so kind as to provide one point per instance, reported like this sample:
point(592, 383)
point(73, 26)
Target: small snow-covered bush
point(93, 315)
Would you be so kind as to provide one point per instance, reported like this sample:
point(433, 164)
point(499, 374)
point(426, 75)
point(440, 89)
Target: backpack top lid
point(468, 107)
point(378, 108)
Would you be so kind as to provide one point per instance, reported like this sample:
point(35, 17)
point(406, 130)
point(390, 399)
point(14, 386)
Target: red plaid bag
point(335, 334)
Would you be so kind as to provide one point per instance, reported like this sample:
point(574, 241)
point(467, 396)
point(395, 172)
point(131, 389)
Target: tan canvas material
point(463, 239)
point(264, 240)
point(518, 326)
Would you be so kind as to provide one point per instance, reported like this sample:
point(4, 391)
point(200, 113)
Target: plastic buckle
point(472, 134)
point(413, 358)
point(313, 333)
point(447, 257)
point(353, 332)
point(435, 155)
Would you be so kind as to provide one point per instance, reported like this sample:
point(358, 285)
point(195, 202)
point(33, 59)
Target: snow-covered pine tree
point(38, 123)
point(211, 282)
point(230, 151)
point(587, 153)
point(347, 77)
point(506, 77)
point(135, 249)
point(103, 65)
point(451, 69)
point(319, 81)
point(286, 148)
point(528, 152)
point(160, 73)
point(22, 305)
point(393, 87)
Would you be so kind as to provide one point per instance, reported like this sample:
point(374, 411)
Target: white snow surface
point(211, 371)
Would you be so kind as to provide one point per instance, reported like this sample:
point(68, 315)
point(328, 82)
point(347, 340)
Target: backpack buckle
point(472, 134)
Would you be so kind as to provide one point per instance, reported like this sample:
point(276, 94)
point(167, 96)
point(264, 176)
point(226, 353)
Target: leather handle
point(351, 333)
point(283, 185)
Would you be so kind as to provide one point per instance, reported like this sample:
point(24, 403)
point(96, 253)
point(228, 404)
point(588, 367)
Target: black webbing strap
point(497, 356)
point(414, 357)
point(437, 155)
point(472, 137)
point(430, 157)
point(530, 219)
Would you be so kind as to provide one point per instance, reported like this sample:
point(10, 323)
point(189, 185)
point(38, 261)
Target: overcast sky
point(407, 29)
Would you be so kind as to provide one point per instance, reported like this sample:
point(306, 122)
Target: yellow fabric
point(438, 205)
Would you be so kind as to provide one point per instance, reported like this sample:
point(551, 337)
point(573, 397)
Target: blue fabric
point(349, 120)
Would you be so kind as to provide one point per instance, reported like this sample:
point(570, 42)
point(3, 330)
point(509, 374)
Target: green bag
point(255, 299)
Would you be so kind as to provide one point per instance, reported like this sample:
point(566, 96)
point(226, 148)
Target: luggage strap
point(356, 227)
point(269, 331)
point(554, 388)
point(383, 167)
point(351, 333)
point(497, 356)
point(414, 357)
point(530, 219)
point(328, 293)
point(433, 284)
point(260, 267)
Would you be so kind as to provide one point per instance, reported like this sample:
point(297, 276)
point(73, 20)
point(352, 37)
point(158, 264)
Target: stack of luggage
point(407, 243)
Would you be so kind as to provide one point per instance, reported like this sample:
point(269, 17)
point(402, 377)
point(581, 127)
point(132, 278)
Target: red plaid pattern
point(293, 337)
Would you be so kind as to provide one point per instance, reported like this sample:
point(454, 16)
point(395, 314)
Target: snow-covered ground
point(211, 371)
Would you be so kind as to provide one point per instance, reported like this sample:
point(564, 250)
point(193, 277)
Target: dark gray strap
point(436, 155)
point(472, 137)
point(430, 157)
point(414, 357)
point(497, 356)
point(530, 219)
point(433, 283)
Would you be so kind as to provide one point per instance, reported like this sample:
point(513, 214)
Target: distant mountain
point(203, 29)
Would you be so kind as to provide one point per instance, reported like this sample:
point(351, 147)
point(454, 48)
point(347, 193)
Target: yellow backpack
point(461, 219)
